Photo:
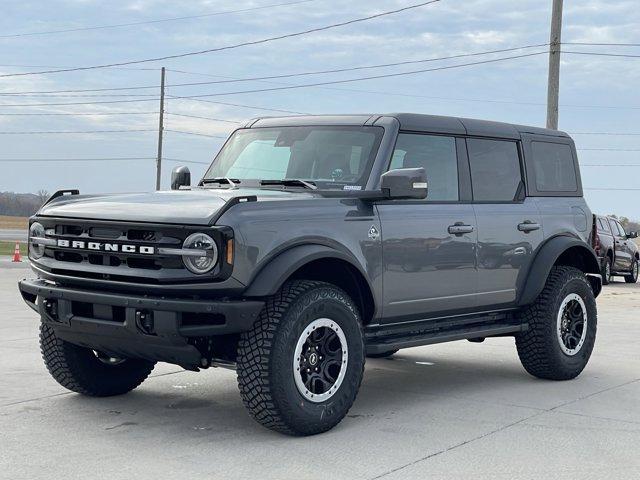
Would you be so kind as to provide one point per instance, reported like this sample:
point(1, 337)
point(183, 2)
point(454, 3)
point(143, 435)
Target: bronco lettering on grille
point(106, 247)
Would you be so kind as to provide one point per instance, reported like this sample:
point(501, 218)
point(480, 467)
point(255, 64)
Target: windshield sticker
point(352, 187)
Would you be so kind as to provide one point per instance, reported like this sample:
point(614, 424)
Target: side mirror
point(180, 177)
point(405, 183)
point(632, 235)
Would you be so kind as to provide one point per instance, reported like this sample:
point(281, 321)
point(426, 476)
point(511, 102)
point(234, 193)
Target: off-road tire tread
point(606, 280)
point(533, 344)
point(630, 278)
point(254, 351)
point(71, 366)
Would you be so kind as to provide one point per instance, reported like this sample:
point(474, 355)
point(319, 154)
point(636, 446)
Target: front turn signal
point(230, 251)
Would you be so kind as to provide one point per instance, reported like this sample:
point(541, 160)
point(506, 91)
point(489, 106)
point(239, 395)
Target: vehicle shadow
point(185, 404)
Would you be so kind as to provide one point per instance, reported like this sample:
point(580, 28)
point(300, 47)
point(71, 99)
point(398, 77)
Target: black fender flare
point(276, 271)
point(547, 256)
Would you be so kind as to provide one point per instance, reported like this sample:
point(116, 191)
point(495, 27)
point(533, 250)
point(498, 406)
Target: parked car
point(617, 253)
point(312, 242)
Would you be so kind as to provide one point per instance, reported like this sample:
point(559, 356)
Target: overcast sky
point(598, 94)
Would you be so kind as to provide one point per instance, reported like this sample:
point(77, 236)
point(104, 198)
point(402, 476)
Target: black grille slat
point(117, 266)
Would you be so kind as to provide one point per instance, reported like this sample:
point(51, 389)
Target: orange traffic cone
point(16, 253)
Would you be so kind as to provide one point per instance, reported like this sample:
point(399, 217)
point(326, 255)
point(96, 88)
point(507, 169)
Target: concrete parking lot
point(458, 410)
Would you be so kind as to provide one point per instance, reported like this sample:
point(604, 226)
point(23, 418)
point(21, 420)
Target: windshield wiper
point(290, 182)
point(230, 181)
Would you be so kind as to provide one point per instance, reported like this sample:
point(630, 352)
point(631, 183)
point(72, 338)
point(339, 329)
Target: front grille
point(137, 267)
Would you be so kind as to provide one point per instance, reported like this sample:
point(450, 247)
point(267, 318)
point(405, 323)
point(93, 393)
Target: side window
point(495, 169)
point(621, 229)
point(604, 226)
point(614, 228)
point(554, 167)
point(437, 154)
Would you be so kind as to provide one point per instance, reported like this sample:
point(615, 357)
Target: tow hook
point(51, 307)
point(144, 321)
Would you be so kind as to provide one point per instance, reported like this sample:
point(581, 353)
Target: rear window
point(603, 225)
point(554, 167)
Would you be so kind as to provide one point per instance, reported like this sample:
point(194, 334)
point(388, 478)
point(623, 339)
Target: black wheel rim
point(320, 360)
point(572, 324)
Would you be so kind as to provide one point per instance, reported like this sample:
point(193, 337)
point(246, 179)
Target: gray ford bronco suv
point(313, 242)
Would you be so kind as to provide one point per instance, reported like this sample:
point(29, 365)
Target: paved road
point(457, 410)
point(13, 235)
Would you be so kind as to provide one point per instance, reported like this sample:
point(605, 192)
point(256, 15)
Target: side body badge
point(373, 232)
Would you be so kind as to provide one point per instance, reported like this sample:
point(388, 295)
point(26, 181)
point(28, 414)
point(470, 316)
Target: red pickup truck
point(615, 248)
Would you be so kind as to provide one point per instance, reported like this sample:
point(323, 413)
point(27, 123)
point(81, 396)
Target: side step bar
point(383, 338)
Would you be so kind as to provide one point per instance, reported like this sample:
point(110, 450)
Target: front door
point(428, 246)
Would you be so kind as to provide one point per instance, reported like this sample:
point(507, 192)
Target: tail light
point(596, 237)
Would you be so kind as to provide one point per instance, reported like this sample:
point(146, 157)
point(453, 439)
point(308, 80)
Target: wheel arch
point(560, 250)
point(316, 262)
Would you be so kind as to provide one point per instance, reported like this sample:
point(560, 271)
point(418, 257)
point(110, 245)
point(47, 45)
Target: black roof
point(413, 122)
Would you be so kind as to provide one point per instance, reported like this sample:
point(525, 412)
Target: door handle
point(528, 226)
point(460, 228)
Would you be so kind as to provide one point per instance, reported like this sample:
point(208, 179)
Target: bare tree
point(43, 195)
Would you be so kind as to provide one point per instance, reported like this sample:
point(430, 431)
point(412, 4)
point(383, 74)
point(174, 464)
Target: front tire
point(633, 278)
point(87, 372)
point(562, 325)
point(300, 366)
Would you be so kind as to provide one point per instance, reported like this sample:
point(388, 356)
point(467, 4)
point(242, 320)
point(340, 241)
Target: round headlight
point(36, 250)
point(205, 253)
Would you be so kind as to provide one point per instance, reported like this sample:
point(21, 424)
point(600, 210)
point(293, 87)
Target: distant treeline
point(629, 225)
point(21, 204)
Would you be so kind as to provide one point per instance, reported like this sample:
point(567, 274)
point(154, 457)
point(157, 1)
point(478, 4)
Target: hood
point(189, 207)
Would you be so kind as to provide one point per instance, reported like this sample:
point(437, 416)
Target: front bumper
point(137, 326)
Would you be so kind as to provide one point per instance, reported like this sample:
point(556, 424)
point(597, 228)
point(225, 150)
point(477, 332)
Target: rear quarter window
point(554, 167)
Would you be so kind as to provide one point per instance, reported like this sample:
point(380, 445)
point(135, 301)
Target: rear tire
point(606, 271)
point(562, 327)
point(633, 278)
point(276, 364)
point(83, 371)
point(383, 354)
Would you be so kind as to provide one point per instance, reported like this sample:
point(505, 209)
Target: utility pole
point(160, 130)
point(553, 87)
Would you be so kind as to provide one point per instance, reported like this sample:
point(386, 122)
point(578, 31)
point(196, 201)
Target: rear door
point(509, 224)
point(429, 246)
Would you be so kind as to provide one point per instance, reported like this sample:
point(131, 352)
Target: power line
point(147, 22)
point(204, 118)
point(63, 132)
point(359, 79)
point(271, 77)
point(615, 189)
point(609, 149)
point(606, 133)
point(266, 109)
point(103, 159)
point(85, 114)
point(603, 44)
point(195, 133)
point(77, 103)
point(598, 54)
point(186, 161)
point(229, 47)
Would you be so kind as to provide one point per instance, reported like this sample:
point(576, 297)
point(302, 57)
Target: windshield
point(330, 157)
